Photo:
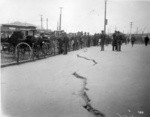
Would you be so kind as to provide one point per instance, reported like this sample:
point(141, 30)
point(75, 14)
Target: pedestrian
point(60, 45)
point(119, 41)
point(81, 41)
point(72, 44)
point(88, 40)
point(146, 40)
point(75, 43)
point(94, 39)
point(102, 41)
point(99, 41)
point(132, 40)
point(114, 41)
point(65, 43)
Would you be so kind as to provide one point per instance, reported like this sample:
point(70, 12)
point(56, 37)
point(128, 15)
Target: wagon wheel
point(23, 52)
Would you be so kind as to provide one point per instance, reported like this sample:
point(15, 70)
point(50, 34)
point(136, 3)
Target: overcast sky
point(79, 15)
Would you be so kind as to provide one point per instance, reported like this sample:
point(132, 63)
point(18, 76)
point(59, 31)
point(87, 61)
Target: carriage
point(24, 42)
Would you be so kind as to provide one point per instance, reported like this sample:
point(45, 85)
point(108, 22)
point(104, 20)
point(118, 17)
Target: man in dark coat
point(88, 40)
point(114, 42)
point(119, 42)
point(146, 39)
point(132, 40)
point(65, 43)
point(60, 45)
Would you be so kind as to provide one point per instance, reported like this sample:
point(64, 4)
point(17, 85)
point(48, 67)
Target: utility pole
point(60, 18)
point(41, 22)
point(0, 31)
point(57, 26)
point(137, 30)
point(105, 20)
point(47, 23)
point(104, 32)
point(131, 23)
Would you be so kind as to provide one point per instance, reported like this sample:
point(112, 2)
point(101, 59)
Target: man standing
point(119, 41)
point(146, 39)
point(132, 40)
point(65, 43)
point(102, 40)
point(114, 42)
point(60, 45)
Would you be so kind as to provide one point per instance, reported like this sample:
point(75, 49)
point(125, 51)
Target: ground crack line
point(86, 98)
point(87, 59)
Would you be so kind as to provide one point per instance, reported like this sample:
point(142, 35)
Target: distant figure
point(72, 44)
point(65, 43)
point(146, 40)
point(119, 41)
point(132, 40)
point(60, 45)
point(99, 41)
point(114, 42)
point(128, 40)
point(102, 41)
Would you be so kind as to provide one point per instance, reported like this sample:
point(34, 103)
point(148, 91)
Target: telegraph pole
point(60, 18)
point(104, 32)
point(47, 24)
point(131, 23)
point(105, 20)
point(137, 30)
point(57, 26)
point(41, 22)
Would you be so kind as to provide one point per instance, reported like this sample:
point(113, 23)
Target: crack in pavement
point(86, 98)
point(87, 59)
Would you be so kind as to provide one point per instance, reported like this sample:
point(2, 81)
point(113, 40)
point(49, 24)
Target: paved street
point(118, 85)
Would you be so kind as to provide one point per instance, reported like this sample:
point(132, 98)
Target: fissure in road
point(87, 59)
point(86, 98)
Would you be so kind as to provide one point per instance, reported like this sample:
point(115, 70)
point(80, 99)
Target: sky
point(80, 15)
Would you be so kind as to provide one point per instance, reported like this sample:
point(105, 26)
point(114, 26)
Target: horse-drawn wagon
point(24, 42)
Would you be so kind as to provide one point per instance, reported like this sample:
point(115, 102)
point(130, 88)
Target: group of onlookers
point(75, 42)
point(117, 41)
point(145, 39)
point(67, 43)
point(64, 43)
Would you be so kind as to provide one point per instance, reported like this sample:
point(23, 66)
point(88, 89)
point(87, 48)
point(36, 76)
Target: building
point(8, 29)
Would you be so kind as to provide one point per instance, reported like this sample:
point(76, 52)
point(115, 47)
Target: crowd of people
point(64, 42)
point(77, 41)
point(117, 41)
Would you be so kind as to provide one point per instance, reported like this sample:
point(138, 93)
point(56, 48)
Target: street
point(117, 84)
